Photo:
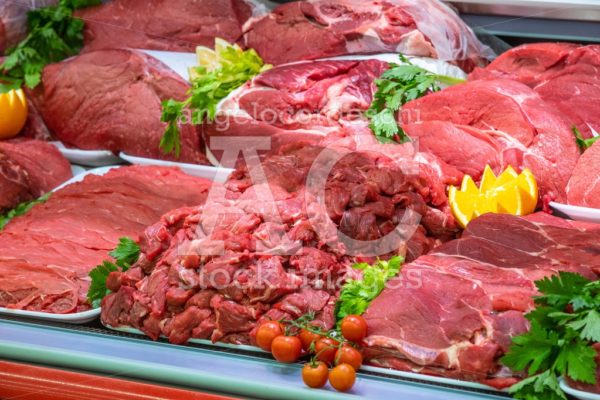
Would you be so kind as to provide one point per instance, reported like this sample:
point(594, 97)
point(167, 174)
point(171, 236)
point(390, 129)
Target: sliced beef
point(14, 184)
point(584, 185)
point(308, 30)
point(111, 100)
point(61, 240)
point(162, 24)
point(495, 122)
point(13, 20)
point(452, 313)
point(565, 75)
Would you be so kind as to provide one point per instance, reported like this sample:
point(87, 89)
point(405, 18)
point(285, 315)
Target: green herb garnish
point(396, 87)
point(564, 326)
point(125, 254)
point(54, 34)
point(583, 144)
point(21, 209)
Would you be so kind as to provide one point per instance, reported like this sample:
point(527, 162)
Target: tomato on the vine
point(286, 349)
point(315, 374)
point(342, 377)
point(349, 355)
point(354, 328)
point(325, 350)
point(307, 338)
point(266, 333)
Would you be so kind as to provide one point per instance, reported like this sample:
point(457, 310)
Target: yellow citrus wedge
point(508, 193)
point(13, 113)
point(207, 57)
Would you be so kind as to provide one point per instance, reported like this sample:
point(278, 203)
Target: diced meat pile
point(451, 313)
point(13, 20)
point(584, 185)
point(111, 99)
point(216, 271)
point(312, 29)
point(299, 103)
point(499, 123)
point(163, 24)
point(48, 253)
point(28, 169)
point(565, 75)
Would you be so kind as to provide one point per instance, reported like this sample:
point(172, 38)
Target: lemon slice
point(462, 205)
point(488, 179)
point(207, 57)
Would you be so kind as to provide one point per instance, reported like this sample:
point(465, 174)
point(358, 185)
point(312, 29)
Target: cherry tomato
point(315, 375)
point(286, 349)
point(349, 355)
point(342, 377)
point(325, 350)
point(266, 333)
point(354, 328)
point(307, 338)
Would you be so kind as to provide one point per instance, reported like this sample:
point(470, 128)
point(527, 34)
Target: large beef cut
point(111, 99)
point(452, 312)
point(13, 20)
point(496, 122)
point(584, 185)
point(28, 169)
point(307, 30)
point(47, 253)
point(299, 103)
point(163, 24)
point(565, 75)
point(272, 250)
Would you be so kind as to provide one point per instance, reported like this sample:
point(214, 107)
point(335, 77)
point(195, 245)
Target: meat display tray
point(377, 370)
point(577, 213)
point(89, 158)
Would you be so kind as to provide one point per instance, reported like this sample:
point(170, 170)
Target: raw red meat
point(307, 30)
point(584, 185)
point(299, 103)
point(111, 99)
point(276, 258)
point(565, 75)
point(13, 20)
point(163, 24)
point(496, 122)
point(28, 169)
point(452, 312)
point(76, 228)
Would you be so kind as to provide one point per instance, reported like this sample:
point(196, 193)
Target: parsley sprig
point(396, 87)
point(21, 209)
point(564, 325)
point(584, 144)
point(125, 254)
point(356, 295)
point(209, 87)
point(53, 36)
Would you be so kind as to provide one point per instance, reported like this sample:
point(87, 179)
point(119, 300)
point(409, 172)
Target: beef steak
point(313, 29)
point(111, 99)
point(584, 185)
point(565, 75)
point(13, 20)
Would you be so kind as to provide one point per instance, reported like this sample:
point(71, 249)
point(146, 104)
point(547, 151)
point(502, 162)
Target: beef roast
point(584, 185)
point(452, 313)
point(312, 29)
point(565, 75)
point(28, 169)
point(496, 122)
point(162, 24)
point(47, 253)
point(111, 99)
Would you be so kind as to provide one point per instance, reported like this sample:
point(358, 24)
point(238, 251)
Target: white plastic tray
point(577, 213)
point(400, 374)
point(73, 318)
point(217, 174)
point(579, 394)
point(91, 158)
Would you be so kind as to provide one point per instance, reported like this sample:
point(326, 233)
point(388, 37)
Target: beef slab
point(111, 99)
point(452, 312)
point(584, 185)
point(308, 30)
point(565, 75)
point(47, 254)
